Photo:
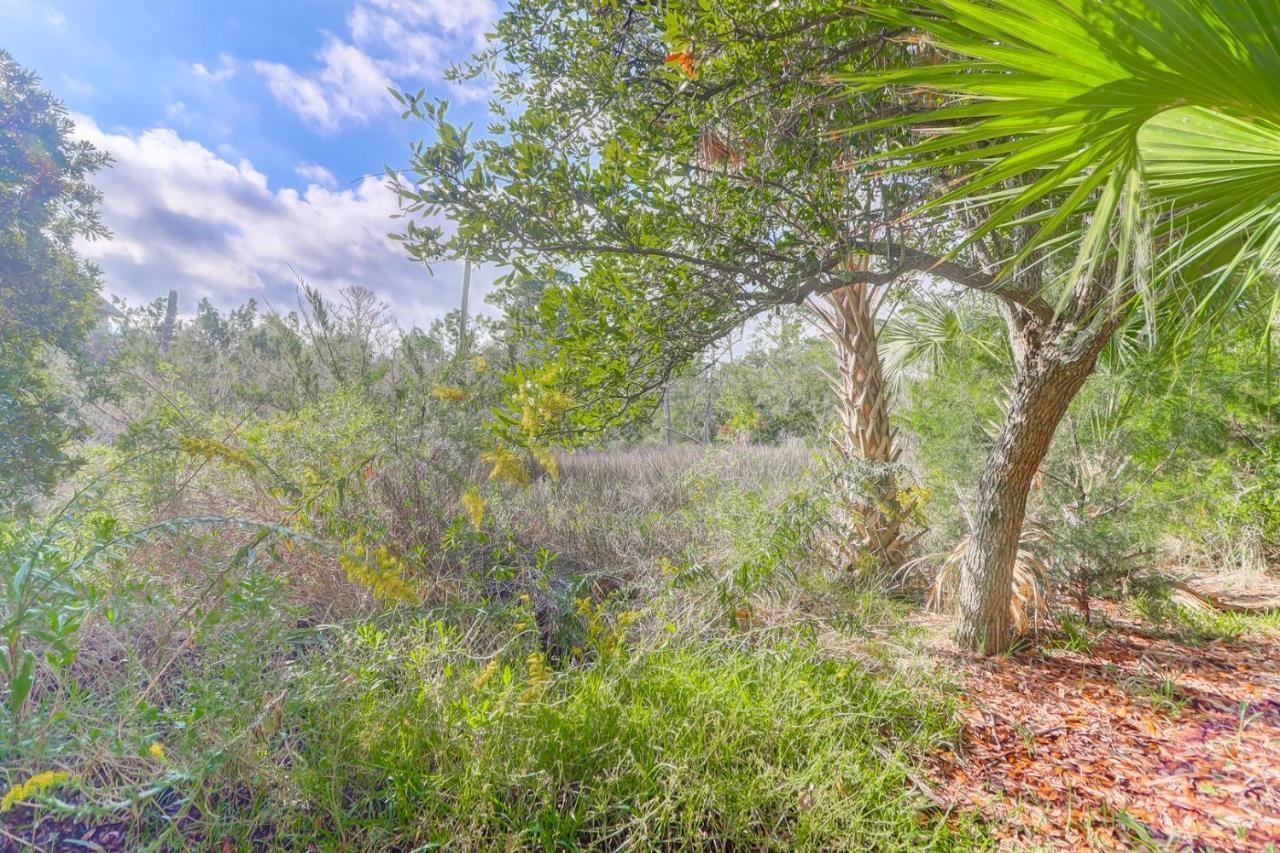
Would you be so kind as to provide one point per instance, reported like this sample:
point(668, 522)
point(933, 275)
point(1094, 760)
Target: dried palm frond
point(1191, 600)
point(1029, 605)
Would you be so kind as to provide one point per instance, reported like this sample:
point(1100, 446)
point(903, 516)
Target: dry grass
point(656, 475)
point(620, 512)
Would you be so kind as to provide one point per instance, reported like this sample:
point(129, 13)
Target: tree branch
point(914, 260)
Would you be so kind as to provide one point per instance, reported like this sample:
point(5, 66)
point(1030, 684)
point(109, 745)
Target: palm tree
point(870, 509)
point(1129, 153)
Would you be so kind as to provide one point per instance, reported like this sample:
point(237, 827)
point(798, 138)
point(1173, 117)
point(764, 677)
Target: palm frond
point(1028, 605)
point(1123, 121)
point(922, 335)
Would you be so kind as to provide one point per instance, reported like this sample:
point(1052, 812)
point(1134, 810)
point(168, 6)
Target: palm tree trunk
point(864, 413)
point(867, 433)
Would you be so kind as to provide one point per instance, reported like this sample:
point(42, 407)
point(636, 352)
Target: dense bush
point(653, 687)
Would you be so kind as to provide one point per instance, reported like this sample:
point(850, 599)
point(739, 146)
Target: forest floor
point(1123, 739)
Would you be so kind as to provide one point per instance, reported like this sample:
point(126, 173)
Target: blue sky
point(249, 136)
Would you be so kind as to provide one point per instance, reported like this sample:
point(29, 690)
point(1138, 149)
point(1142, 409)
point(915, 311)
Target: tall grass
point(405, 742)
point(624, 510)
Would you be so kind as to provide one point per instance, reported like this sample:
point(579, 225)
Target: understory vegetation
point(300, 612)
point(291, 608)
point(334, 636)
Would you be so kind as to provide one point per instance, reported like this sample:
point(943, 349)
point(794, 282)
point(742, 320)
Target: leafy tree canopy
point(48, 294)
point(682, 159)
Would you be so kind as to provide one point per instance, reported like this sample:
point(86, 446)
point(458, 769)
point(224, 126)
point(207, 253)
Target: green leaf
point(20, 687)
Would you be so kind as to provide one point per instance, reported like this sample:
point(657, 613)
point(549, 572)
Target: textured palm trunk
point(866, 431)
point(1049, 379)
point(165, 335)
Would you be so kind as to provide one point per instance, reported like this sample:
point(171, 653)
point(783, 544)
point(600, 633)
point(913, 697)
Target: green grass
point(392, 744)
point(1226, 625)
point(1072, 635)
point(1194, 626)
point(214, 700)
point(385, 734)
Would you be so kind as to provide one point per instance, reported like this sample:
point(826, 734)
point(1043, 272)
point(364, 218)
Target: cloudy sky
point(249, 136)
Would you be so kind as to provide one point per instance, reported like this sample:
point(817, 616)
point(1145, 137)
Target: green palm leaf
point(1118, 121)
point(926, 333)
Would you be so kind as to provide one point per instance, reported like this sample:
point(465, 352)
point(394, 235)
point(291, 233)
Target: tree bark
point(867, 433)
point(165, 336)
point(1051, 375)
point(864, 396)
point(707, 413)
point(668, 433)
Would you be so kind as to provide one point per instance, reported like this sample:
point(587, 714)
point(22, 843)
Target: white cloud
point(317, 174)
point(390, 40)
point(225, 71)
point(415, 51)
point(349, 85)
point(35, 11)
point(185, 218)
point(468, 18)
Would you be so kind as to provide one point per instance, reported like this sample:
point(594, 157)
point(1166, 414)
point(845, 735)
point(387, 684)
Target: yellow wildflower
point(536, 665)
point(37, 784)
point(627, 618)
point(210, 449)
point(449, 393)
point(548, 461)
point(474, 505)
point(485, 674)
point(556, 402)
point(381, 572)
point(540, 405)
point(507, 467)
point(529, 419)
point(156, 751)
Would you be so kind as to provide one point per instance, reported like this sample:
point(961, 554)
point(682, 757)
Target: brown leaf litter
point(1140, 742)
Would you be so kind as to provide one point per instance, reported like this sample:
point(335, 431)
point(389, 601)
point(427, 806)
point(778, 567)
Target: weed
point(411, 741)
point(1072, 635)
